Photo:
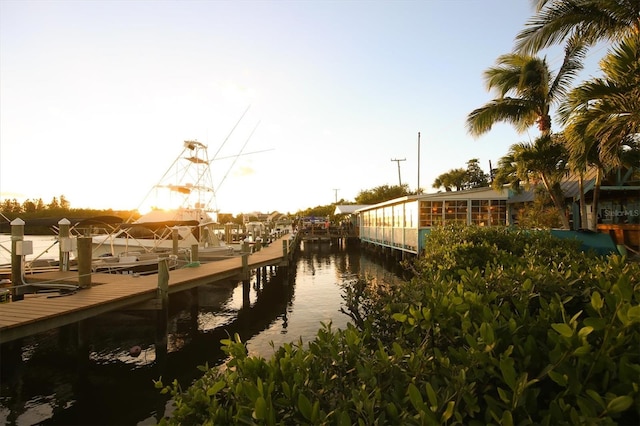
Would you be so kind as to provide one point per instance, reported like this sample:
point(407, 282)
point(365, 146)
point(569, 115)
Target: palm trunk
point(557, 202)
point(596, 200)
point(584, 223)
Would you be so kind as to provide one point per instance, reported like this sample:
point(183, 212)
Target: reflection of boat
point(192, 225)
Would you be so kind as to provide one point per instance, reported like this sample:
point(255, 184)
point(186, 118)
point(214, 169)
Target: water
point(46, 382)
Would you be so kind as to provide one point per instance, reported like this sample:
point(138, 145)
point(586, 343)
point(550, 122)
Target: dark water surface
point(46, 382)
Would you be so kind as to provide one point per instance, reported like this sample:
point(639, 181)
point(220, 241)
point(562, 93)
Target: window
point(455, 211)
point(489, 212)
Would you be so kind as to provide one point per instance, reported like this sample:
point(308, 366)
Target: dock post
point(162, 314)
point(228, 238)
point(64, 244)
point(246, 285)
point(286, 254)
point(194, 253)
point(174, 235)
point(84, 261)
point(17, 236)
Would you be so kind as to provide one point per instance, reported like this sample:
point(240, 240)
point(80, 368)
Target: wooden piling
point(84, 261)
point(174, 236)
point(246, 285)
point(195, 255)
point(162, 314)
point(17, 260)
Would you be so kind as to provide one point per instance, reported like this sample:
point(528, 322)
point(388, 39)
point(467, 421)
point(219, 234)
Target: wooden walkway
point(109, 292)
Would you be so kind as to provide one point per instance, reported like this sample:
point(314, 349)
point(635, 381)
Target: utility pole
point(335, 190)
point(398, 160)
point(418, 189)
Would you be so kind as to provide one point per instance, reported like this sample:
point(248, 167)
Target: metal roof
point(349, 208)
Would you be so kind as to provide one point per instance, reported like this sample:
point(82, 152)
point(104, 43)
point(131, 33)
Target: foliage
point(382, 193)
point(590, 21)
point(318, 211)
point(542, 162)
point(525, 91)
point(506, 327)
point(472, 177)
point(539, 214)
point(13, 207)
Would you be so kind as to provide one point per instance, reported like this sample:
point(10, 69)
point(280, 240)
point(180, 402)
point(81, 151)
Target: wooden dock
point(110, 292)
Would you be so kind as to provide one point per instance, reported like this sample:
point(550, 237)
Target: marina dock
point(111, 292)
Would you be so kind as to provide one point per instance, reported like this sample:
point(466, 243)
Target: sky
point(319, 97)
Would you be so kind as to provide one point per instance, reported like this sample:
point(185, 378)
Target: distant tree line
point(12, 206)
point(41, 218)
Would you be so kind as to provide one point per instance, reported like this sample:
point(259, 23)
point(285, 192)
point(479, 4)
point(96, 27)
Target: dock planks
point(109, 292)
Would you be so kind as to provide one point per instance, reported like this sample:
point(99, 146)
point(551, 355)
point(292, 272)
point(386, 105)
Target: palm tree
point(527, 164)
point(534, 91)
point(454, 178)
point(526, 91)
point(602, 115)
point(589, 21)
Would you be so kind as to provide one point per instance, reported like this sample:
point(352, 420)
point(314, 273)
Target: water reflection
point(50, 380)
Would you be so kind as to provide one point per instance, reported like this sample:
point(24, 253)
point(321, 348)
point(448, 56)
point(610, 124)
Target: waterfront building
point(402, 223)
point(399, 226)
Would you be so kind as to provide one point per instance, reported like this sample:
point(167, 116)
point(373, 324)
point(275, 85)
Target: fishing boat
point(190, 226)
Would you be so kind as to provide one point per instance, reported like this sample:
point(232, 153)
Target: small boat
point(132, 263)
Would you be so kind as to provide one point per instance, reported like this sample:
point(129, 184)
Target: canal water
point(47, 383)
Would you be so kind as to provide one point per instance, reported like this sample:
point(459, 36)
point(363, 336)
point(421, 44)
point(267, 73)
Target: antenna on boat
point(231, 132)
point(239, 154)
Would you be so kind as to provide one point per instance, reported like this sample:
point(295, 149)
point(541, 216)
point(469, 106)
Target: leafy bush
point(523, 330)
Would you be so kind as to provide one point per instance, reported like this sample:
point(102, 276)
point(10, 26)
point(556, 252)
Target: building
point(402, 223)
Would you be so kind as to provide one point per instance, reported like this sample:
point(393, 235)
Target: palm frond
point(590, 20)
point(518, 112)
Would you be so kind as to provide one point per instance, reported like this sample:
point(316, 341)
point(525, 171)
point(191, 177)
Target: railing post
point(64, 244)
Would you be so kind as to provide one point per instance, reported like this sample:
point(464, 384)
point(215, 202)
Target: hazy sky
point(97, 97)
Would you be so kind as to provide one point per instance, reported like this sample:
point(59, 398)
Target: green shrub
point(524, 329)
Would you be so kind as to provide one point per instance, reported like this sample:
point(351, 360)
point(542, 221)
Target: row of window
point(477, 212)
point(431, 213)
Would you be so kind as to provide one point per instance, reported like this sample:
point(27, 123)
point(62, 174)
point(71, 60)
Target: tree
point(28, 206)
point(54, 204)
point(381, 193)
point(472, 177)
point(528, 164)
point(11, 206)
point(475, 175)
point(64, 203)
point(535, 90)
point(586, 21)
point(526, 92)
point(602, 115)
point(40, 205)
point(454, 178)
